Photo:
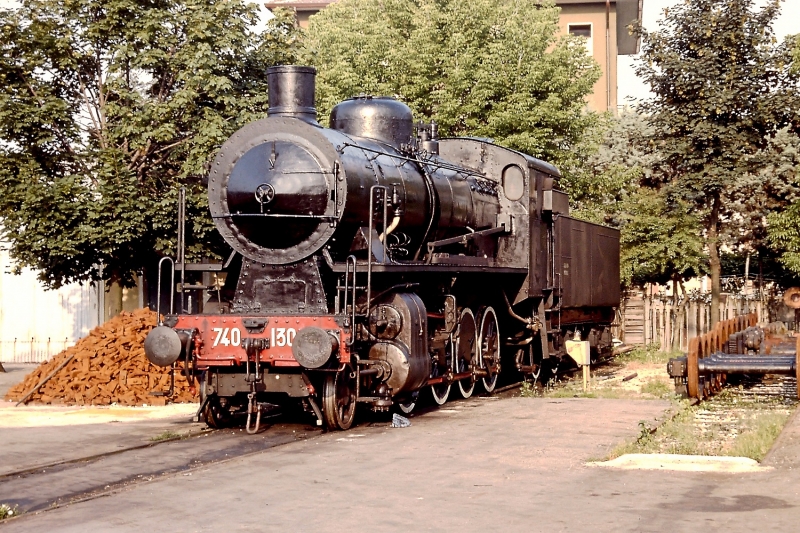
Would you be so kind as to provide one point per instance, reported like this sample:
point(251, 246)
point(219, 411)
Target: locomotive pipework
point(374, 260)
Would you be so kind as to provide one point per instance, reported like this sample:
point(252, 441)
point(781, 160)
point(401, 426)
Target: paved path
point(67, 483)
point(512, 464)
point(15, 373)
point(484, 463)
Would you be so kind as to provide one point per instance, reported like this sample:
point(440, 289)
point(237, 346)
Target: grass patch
point(756, 440)
point(723, 426)
point(7, 510)
point(167, 435)
point(658, 388)
point(572, 390)
point(647, 355)
point(527, 390)
point(611, 389)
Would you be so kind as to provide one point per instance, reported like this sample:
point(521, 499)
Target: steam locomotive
point(374, 261)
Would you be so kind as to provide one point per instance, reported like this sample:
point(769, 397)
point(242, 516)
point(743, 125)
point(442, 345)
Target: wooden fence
point(648, 319)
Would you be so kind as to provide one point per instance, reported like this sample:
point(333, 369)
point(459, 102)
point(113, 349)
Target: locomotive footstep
point(399, 421)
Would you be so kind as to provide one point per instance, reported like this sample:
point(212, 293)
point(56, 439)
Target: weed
point(649, 354)
point(641, 444)
point(167, 435)
point(7, 510)
point(527, 390)
point(658, 388)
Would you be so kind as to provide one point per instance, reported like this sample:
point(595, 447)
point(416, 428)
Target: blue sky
point(628, 85)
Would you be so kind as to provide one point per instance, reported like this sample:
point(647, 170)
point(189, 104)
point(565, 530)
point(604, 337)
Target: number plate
point(222, 337)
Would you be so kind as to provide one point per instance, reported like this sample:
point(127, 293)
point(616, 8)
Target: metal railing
point(32, 350)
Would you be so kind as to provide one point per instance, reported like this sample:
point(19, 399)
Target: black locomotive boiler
point(373, 261)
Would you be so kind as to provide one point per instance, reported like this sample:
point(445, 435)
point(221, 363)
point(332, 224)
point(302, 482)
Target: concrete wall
point(36, 324)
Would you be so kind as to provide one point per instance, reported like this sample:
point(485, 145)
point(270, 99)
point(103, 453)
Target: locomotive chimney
point(291, 92)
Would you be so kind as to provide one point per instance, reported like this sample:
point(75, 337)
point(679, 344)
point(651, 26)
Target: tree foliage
point(660, 240)
point(481, 68)
point(784, 224)
point(660, 237)
point(106, 109)
point(722, 90)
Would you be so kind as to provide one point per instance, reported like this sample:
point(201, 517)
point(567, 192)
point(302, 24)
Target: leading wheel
point(489, 348)
point(216, 416)
point(407, 405)
point(339, 396)
point(465, 356)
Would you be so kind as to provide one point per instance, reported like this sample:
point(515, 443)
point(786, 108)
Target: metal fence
point(36, 324)
point(32, 350)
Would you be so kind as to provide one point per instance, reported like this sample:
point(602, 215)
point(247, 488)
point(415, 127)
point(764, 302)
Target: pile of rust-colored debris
point(106, 367)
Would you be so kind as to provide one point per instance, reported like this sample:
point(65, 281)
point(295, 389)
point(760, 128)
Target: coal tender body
point(374, 262)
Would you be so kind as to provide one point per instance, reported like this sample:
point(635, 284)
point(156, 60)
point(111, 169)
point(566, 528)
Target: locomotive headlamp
point(314, 346)
point(163, 346)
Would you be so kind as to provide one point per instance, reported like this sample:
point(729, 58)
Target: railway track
point(54, 485)
point(57, 484)
point(784, 387)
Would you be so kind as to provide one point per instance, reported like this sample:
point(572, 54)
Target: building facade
point(603, 23)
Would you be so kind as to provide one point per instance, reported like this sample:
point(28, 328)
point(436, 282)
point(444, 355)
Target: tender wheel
point(489, 348)
point(339, 395)
point(465, 352)
point(441, 391)
point(216, 416)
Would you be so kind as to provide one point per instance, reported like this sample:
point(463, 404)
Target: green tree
point(482, 68)
point(106, 109)
point(617, 168)
point(660, 241)
point(722, 89)
point(784, 224)
point(660, 237)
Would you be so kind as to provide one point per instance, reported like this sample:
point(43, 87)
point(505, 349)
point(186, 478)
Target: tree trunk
point(113, 301)
point(676, 334)
point(683, 311)
point(713, 259)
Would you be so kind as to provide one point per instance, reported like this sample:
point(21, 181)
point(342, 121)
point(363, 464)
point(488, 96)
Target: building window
point(583, 30)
